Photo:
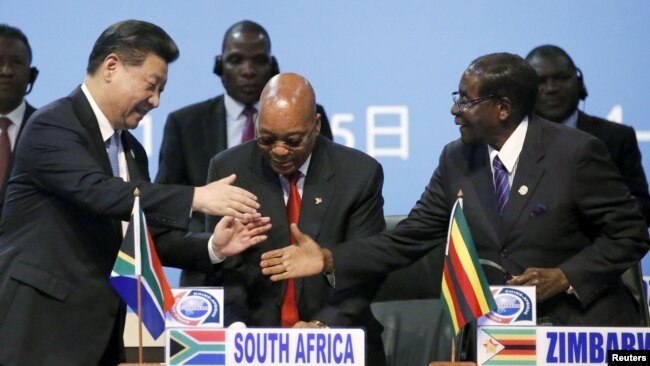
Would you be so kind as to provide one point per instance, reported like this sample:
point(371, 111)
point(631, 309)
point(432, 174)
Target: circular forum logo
point(512, 306)
point(195, 307)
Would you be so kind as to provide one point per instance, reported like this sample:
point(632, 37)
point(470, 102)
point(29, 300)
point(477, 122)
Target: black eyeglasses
point(269, 142)
point(463, 104)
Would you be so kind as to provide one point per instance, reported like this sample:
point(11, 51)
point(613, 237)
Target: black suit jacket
point(624, 150)
point(575, 213)
point(28, 112)
point(341, 201)
point(193, 135)
point(60, 234)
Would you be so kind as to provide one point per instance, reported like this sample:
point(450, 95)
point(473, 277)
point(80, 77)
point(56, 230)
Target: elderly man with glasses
point(333, 192)
point(560, 218)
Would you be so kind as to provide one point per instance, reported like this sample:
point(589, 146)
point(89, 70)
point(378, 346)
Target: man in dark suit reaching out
point(196, 133)
point(337, 191)
point(75, 172)
point(557, 231)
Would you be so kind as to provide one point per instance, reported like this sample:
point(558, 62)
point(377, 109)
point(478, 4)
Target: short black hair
point(7, 31)
point(245, 26)
point(507, 75)
point(132, 40)
point(549, 50)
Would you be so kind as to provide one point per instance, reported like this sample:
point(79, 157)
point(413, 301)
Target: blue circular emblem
point(194, 307)
point(508, 305)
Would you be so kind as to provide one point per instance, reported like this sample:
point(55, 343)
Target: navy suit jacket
point(60, 234)
point(341, 200)
point(575, 213)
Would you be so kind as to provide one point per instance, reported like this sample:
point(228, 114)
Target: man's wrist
point(328, 261)
point(214, 257)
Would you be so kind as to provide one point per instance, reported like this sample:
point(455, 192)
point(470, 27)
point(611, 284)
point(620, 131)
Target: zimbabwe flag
point(465, 291)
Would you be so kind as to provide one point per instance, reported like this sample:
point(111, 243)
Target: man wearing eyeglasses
point(340, 198)
point(567, 226)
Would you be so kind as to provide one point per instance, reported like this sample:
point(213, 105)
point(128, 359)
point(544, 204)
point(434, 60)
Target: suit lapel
point(316, 196)
point(268, 190)
point(87, 118)
point(482, 187)
point(137, 171)
point(529, 172)
point(215, 127)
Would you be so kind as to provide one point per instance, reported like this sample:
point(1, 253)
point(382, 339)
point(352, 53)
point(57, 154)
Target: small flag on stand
point(137, 264)
point(465, 290)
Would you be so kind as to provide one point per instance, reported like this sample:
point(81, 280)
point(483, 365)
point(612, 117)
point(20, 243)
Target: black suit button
point(504, 253)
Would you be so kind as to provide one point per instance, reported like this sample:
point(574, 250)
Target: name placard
point(557, 345)
point(268, 346)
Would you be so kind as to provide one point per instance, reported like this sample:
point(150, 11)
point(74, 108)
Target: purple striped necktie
point(501, 183)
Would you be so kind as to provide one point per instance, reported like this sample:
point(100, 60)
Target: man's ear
point(317, 121)
point(505, 108)
point(110, 65)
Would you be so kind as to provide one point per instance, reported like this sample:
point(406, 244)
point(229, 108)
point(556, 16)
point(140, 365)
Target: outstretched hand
point(221, 198)
point(305, 258)
point(232, 236)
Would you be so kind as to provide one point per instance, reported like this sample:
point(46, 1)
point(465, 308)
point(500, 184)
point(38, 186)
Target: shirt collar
point(105, 127)
point(16, 116)
point(510, 151)
point(234, 108)
point(572, 120)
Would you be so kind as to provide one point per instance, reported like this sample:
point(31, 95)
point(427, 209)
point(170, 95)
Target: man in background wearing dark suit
point(75, 171)
point(17, 78)
point(568, 224)
point(338, 192)
point(196, 133)
point(561, 88)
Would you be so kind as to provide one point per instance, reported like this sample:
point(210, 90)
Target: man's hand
point(221, 198)
point(548, 282)
point(305, 258)
point(314, 324)
point(232, 236)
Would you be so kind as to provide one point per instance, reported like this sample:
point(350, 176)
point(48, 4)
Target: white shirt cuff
point(213, 256)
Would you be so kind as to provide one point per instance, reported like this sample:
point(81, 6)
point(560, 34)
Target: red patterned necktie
point(249, 127)
point(289, 315)
point(5, 149)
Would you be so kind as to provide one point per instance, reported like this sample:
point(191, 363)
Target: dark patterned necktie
point(249, 127)
point(5, 149)
point(501, 183)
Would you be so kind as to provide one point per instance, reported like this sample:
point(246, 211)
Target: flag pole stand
point(139, 319)
point(453, 361)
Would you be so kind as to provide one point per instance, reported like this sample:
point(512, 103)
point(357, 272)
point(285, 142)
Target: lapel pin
point(318, 200)
point(523, 190)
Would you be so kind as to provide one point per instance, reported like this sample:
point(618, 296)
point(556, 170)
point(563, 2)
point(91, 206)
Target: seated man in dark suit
point(299, 176)
point(18, 77)
point(561, 88)
point(196, 133)
point(566, 223)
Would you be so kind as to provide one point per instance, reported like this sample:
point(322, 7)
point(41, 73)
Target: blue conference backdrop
point(383, 70)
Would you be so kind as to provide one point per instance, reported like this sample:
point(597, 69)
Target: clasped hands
point(548, 282)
